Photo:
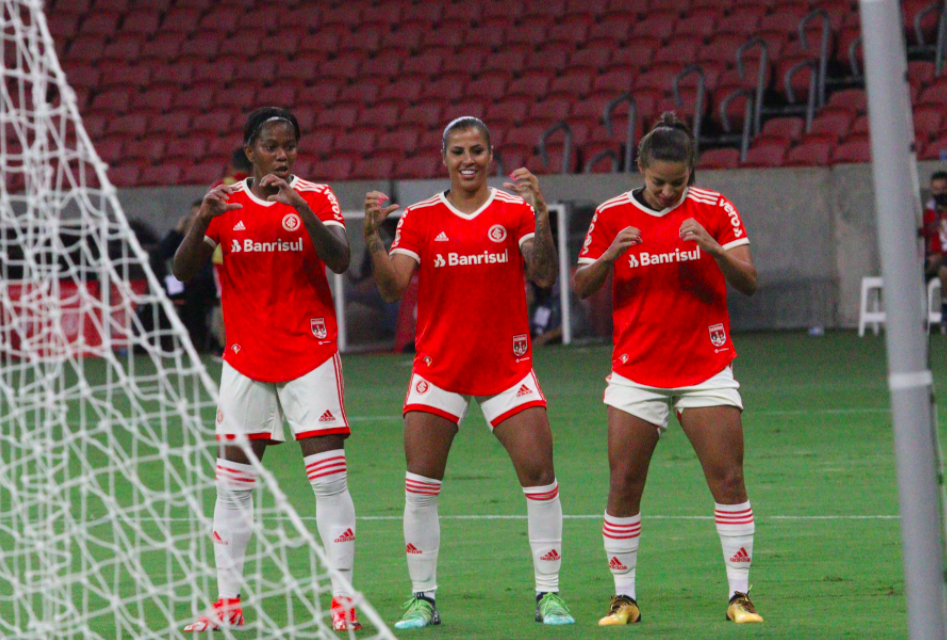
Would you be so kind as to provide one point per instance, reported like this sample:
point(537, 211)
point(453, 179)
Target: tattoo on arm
point(541, 255)
point(375, 244)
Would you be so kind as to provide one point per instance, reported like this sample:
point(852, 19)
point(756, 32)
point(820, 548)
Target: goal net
point(107, 449)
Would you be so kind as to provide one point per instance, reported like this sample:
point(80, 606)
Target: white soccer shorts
point(425, 396)
point(312, 404)
point(653, 404)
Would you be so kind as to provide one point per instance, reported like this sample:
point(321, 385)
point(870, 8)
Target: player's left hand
point(284, 194)
point(693, 231)
point(526, 185)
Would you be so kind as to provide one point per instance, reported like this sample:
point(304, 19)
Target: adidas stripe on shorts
point(425, 396)
point(312, 404)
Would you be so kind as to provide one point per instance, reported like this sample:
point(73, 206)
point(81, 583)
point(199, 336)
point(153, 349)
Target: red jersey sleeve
point(212, 235)
point(527, 224)
point(325, 205)
point(408, 236)
point(597, 239)
point(729, 231)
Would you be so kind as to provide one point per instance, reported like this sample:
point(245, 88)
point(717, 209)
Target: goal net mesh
point(107, 448)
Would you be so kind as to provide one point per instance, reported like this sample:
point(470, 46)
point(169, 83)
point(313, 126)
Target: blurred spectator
point(368, 317)
point(545, 314)
point(237, 170)
point(935, 238)
point(195, 299)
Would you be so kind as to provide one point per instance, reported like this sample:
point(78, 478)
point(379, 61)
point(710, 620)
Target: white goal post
point(561, 212)
point(107, 446)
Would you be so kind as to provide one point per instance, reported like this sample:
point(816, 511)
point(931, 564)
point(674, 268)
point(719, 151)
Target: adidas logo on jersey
point(552, 556)
point(326, 417)
point(348, 536)
point(741, 556)
point(240, 226)
point(524, 391)
point(456, 259)
point(249, 246)
point(615, 565)
point(413, 550)
point(441, 237)
point(645, 259)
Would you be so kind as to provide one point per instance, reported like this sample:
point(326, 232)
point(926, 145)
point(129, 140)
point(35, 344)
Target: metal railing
point(824, 44)
point(632, 119)
point(690, 70)
point(605, 153)
point(813, 83)
point(566, 148)
point(760, 77)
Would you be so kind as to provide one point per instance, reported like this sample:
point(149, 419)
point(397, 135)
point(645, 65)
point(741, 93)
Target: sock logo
point(327, 417)
point(552, 556)
point(411, 549)
point(219, 540)
point(524, 391)
point(348, 536)
point(615, 564)
point(741, 556)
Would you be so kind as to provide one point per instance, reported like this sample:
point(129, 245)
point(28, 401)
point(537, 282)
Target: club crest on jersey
point(497, 233)
point(291, 222)
point(718, 336)
point(318, 327)
point(520, 344)
point(422, 387)
point(427, 360)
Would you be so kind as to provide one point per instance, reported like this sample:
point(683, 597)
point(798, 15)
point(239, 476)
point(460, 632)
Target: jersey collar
point(467, 216)
point(264, 203)
point(662, 212)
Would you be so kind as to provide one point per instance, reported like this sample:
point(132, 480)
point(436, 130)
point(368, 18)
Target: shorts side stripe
point(429, 409)
point(518, 409)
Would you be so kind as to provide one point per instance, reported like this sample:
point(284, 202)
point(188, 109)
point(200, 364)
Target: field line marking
point(647, 517)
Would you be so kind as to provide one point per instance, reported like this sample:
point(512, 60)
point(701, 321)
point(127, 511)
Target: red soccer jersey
point(278, 311)
point(935, 231)
point(473, 330)
point(672, 328)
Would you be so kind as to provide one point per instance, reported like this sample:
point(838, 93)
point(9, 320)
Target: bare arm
point(331, 243)
point(539, 252)
point(736, 263)
point(194, 252)
point(590, 278)
point(392, 273)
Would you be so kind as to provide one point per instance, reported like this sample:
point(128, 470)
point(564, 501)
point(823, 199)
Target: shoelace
point(744, 600)
point(417, 607)
point(552, 605)
point(618, 602)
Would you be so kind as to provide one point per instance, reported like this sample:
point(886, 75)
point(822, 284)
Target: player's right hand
point(627, 237)
point(375, 212)
point(217, 202)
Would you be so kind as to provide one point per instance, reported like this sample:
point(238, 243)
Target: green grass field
point(819, 468)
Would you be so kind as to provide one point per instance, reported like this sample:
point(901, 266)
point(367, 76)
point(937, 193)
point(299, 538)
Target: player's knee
point(537, 477)
point(730, 486)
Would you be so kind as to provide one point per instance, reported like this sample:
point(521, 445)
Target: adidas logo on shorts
point(327, 417)
point(524, 391)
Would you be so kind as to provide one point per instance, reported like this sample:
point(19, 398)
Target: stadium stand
point(770, 83)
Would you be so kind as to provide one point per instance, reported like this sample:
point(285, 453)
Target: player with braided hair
point(671, 248)
point(278, 233)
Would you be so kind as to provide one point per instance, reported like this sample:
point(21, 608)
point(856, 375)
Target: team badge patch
point(520, 344)
point(718, 336)
point(318, 326)
point(422, 387)
point(291, 222)
point(236, 348)
point(427, 360)
point(497, 233)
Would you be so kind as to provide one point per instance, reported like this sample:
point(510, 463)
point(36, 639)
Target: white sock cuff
point(735, 519)
point(235, 475)
point(320, 467)
point(543, 493)
point(622, 528)
point(418, 484)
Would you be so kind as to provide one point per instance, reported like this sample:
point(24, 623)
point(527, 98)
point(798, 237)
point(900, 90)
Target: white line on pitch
point(647, 517)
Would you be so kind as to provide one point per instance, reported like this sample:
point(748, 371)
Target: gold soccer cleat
point(741, 610)
point(624, 610)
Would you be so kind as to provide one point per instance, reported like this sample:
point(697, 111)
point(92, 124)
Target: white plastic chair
point(874, 315)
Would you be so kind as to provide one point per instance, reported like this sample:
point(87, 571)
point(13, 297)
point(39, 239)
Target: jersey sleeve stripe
point(702, 199)
point(528, 236)
point(586, 260)
point(424, 203)
point(508, 197)
point(333, 223)
point(210, 241)
point(614, 202)
point(704, 192)
point(406, 252)
point(736, 243)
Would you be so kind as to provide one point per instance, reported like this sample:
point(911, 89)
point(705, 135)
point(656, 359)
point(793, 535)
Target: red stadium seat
point(86, 49)
point(332, 170)
point(133, 125)
point(149, 150)
point(182, 20)
point(319, 145)
point(277, 95)
point(781, 131)
point(237, 97)
point(424, 64)
point(935, 94)
point(548, 8)
point(115, 101)
point(929, 120)
point(935, 150)
point(170, 123)
point(426, 165)
point(385, 66)
point(852, 152)
point(658, 24)
point(402, 142)
point(471, 107)
point(162, 174)
point(154, 101)
point(679, 50)
point(853, 99)
point(428, 12)
point(459, 66)
point(193, 100)
point(921, 72)
point(344, 117)
point(372, 168)
point(511, 111)
point(110, 150)
point(832, 122)
point(142, 22)
point(306, 16)
point(700, 25)
point(213, 73)
point(186, 150)
point(740, 24)
point(361, 94)
point(100, 24)
point(340, 68)
point(423, 116)
point(719, 159)
point(444, 90)
point(125, 48)
point(163, 47)
point(283, 44)
point(552, 59)
point(321, 94)
point(592, 60)
point(124, 176)
point(610, 33)
point(83, 77)
point(550, 111)
point(213, 122)
point(860, 126)
point(638, 53)
point(570, 31)
point(251, 72)
point(504, 9)
point(510, 62)
point(245, 43)
point(261, 20)
point(660, 78)
point(768, 155)
point(218, 22)
point(403, 92)
point(572, 86)
point(489, 36)
point(532, 85)
point(381, 117)
point(810, 154)
point(723, 48)
point(206, 173)
point(348, 14)
point(491, 88)
point(360, 142)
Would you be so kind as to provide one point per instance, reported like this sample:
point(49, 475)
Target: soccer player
point(672, 249)
point(472, 248)
point(278, 233)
